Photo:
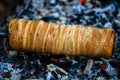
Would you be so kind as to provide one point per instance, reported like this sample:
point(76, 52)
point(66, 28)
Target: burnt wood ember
point(19, 65)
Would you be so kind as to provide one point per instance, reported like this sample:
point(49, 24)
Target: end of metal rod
point(3, 32)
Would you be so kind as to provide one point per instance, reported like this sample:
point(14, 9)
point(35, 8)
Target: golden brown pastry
point(47, 37)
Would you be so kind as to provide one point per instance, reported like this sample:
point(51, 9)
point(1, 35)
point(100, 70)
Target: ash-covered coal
point(19, 65)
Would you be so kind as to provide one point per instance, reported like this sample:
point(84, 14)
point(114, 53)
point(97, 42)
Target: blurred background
point(19, 65)
point(8, 7)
